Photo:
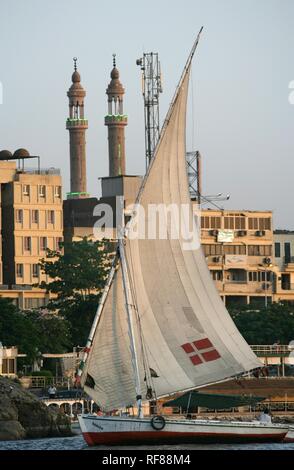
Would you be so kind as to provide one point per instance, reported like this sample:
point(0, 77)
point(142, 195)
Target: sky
point(240, 114)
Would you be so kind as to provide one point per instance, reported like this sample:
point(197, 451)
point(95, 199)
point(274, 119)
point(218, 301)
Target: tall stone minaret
point(116, 122)
point(77, 125)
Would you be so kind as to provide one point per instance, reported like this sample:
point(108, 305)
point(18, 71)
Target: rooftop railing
point(41, 171)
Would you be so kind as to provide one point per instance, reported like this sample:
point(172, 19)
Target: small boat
point(161, 327)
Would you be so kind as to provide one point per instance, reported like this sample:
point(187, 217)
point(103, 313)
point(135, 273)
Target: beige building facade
point(31, 222)
point(238, 246)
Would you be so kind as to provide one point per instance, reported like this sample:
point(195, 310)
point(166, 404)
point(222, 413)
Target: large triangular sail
point(189, 337)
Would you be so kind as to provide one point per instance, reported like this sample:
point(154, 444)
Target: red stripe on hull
point(164, 437)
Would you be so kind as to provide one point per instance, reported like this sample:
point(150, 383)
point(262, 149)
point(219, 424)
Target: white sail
point(188, 335)
point(108, 375)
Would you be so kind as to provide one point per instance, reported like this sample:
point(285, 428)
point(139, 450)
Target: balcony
point(243, 287)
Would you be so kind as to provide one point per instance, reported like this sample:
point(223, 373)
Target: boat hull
point(124, 431)
point(290, 435)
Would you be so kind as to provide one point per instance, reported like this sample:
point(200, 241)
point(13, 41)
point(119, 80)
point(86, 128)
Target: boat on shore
point(161, 327)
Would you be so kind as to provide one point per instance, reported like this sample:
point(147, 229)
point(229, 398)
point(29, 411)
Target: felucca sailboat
point(161, 326)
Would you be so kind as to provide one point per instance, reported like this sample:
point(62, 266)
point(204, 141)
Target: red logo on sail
point(201, 351)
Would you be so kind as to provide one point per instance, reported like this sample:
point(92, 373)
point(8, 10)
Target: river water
point(78, 443)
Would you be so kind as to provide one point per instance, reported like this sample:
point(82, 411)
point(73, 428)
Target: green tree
point(53, 330)
point(17, 329)
point(77, 277)
point(265, 325)
point(33, 332)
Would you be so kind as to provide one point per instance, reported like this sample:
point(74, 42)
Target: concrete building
point(31, 222)
point(238, 246)
point(284, 259)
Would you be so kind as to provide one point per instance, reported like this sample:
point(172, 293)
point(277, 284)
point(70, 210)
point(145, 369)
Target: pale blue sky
point(243, 120)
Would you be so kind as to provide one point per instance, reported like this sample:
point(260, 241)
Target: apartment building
point(284, 259)
point(31, 222)
point(238, 246)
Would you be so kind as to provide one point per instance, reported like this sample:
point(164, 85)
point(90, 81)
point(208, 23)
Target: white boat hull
point(114, 430)
point(290, 435)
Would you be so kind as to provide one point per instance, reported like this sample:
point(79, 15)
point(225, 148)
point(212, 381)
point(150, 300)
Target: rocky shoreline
point(23, 416)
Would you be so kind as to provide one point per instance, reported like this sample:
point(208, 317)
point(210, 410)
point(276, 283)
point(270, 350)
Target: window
point(210, 222)
point(235, 249)
point(27, 243)
point(35, 270)
point(278, 250)
point(253, 276)
point(264, 276)
point(58, 243)
point(259, 223)
point(217, 275)
point(259, 250)
point(51, 217)
point(212, 250)
point(8, 366)
point(26, 189)
point(35, 216)
point(42, 191)
point(204, 222)
point(239, 223)
point(229, 222)
point(287, 250)
point(43, 243)
point(57, 191)
point(235, 222)
point(19, 270)
point(215, 222)
point(19, 215)
point(259, 276)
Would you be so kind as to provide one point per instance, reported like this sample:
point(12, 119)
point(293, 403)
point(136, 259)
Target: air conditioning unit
point(214, 233)
point(216, 259)
point(260, 233)
point(242, 233)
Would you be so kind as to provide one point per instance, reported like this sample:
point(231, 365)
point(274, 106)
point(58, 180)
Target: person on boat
point(52, 391)
point(265, 417)
point(99, 412)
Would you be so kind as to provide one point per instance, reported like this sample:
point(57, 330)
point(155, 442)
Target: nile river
point(78, 443)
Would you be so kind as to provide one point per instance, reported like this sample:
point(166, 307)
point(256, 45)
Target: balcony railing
point(42, 171)
point(272, 350)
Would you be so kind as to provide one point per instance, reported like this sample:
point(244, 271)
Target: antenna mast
point(151, 88)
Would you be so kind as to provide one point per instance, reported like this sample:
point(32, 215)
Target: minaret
point(77, 125)
point(116, 122)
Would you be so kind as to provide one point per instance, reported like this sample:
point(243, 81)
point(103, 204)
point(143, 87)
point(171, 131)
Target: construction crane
point(151, 88)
